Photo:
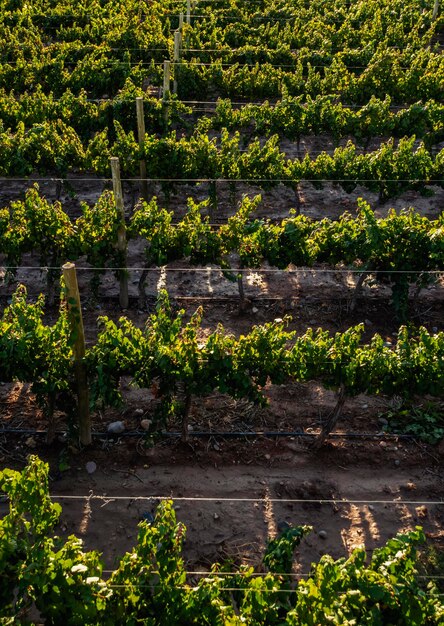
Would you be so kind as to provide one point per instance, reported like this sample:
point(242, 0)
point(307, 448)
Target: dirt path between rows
point(247, 505)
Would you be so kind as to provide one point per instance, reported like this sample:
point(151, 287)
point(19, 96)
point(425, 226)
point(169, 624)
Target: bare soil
point(250, 487)
point(231, 508)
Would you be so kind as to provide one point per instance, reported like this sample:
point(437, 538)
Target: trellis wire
point(293, 181)
point(92, 496)
point(296, 270)
point(296, 575)
point(114, 62)
point(273, 102)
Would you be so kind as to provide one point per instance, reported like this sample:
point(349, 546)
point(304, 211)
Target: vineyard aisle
point(228, 522)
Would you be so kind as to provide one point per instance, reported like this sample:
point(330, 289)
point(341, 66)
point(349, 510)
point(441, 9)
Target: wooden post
point(121, 233)
point(176, 57)
point(166, 79)
point(188, 22)
point(180, 21)
point(166, 88)
point(141, 138)
point(435, 10)
point(76, 321)
point(297, 198)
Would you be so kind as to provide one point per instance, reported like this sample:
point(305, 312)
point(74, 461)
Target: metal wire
point(192, 15)
point(226, 435)
point(274, 65)
point(239, 573)
point(92, 496)
point(274, 102)
point(209, 574)
point(115, 62)
point(226, 180)
point(163, 268)
point(103, 47)
point(231, 589)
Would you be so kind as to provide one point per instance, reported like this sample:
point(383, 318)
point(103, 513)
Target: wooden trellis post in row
point(176, 56)
point(121, 232)
point(166, 88)
point(78, 348)
point(141, 138)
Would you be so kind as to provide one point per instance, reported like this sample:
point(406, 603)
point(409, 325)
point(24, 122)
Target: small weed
point(425, 423)
point(431, 564)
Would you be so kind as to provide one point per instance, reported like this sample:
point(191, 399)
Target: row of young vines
point(400, 249)
point(388, 170)
point(174, 357)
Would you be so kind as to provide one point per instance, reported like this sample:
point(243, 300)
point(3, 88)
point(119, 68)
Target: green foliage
point(69, 76)
point(168, 353)
point(150, 581)
point(97, 235)
point(425, 423)
point(62, 580)
point(350, 592)
point(35, 225)
point(35, 352)
point(294, 116)
point(171, 355)
point(279, 555)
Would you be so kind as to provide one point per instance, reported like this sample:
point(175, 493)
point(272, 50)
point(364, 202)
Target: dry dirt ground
point(231, 508)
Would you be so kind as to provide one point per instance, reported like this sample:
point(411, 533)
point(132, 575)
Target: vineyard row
point(389, 170)
point(290, 117)
point(402, 247)
point(170, 356)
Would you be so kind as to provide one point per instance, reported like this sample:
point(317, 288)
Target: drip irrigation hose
point(219, 434)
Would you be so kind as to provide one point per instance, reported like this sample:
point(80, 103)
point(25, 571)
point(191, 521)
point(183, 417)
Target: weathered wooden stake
point(166, 79)
point(121, 233)
point(75, 315)
point(240, 286)
point(435, 10)
point(186, 416)
point(141, 138)
point(297, 198)
point(188, 22)
point(176, 57)
point(180, 21)
point(166, 88)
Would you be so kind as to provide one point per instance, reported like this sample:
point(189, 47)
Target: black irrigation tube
point(222, 435)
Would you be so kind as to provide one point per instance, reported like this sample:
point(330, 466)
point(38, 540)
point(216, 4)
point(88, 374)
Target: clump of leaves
point(280, 551)
point(426, 423)
point(431, 563)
